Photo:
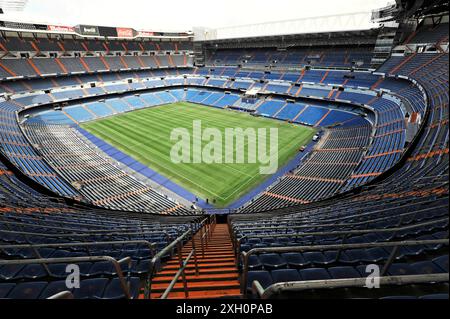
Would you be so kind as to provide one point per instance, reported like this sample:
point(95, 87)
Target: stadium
point(206, 164)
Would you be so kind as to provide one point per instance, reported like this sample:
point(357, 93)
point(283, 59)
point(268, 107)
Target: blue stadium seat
point(343, 272)
point(314, 274)
point(54, 288)
point(285, 275)
point(319, 259)
point(9, 272)
point(28, 290)
point(264, 278)
point(91, 288)
point(295, 260)
point(5, 289)
point(442, 262)
point(254, 263)
point(272, 261)
point(114, 289)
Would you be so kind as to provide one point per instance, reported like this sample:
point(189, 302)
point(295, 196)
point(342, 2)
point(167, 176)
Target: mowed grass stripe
point(145, 136)
point(138, 132)
point(133, 133)
point(168, 118)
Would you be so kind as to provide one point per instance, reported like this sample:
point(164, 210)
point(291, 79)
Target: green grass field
point(145, 136)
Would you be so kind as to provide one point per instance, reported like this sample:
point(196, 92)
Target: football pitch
point(145, 135)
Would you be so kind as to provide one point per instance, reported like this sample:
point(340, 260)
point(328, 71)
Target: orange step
point(203, 294)
point(205, 285)
point(192, 277)
point(217, 276)
point(211, 271)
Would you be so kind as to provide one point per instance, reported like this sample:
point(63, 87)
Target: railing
point(123, 282)
point(206, 228)
point(395, 245)
point(289, 224)
point(62, 295)
point(156, 261)
point(117, 230)
point(181, 272)
point(299, 286)
point(345, 234)
point(81, 236)
point(206, 231)
point(35, 248)
point(324, 210)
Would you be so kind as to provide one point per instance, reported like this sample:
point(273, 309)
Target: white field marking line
point(234, 152)
point(238, 189)
point(224, 164)
point(223, 157)
point(241, 187)
point(178, 174)
point(209, 191)
point(248, 181)
point(134, 146)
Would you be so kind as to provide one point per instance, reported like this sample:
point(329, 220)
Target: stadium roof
point(231, 19)
point(323, 24)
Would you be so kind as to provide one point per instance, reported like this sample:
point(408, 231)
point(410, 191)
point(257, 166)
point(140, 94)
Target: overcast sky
point(185, 14)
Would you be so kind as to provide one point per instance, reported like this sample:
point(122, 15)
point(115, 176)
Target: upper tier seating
point(430, 34)
point(14, 44)
point(336, 57)
point(36, 67)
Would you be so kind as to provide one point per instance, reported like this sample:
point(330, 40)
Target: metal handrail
point(345, 234)
point(87, 231)
point(204, 229)
point(316, 210)
point(289, 222)
point(125, 287)
point(205, 235)
point(287, 211)
point(286, 228)
point(152, 246)
point(396, 245)
point(62, 295)
point(181, 272)
point(299, 286)
point(81, 218)
point(158, 257)
point(110, 234)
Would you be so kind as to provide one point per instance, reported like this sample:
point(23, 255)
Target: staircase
point(386, 41)
point(217, 271)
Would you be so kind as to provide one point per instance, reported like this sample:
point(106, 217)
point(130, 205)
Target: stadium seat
point(272, 261)
point(343, 272)
point(91, 289)
point(442, 262)
point(29, 290)
point(5, 289)
point(295, 260)
point(54, 288)
point(115, 291)
point(285, 275)
point(263, 277)
point(314, 274)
